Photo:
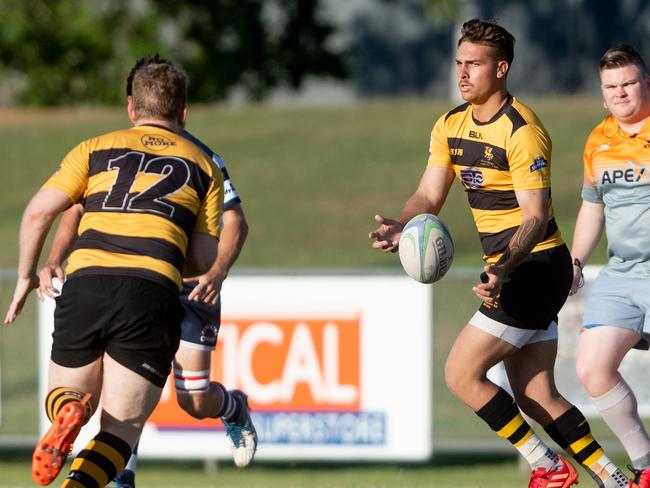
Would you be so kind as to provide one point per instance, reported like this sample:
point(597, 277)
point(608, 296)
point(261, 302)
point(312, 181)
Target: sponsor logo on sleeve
point(538, 163)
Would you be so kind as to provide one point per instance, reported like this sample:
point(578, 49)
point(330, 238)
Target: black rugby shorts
point(134, 320)
point(535, 290)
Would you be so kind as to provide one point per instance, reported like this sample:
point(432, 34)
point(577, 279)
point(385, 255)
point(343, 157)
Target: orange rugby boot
point(55, 446)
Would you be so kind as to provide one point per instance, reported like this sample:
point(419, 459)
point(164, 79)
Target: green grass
point(484, 472)
point(470, 471)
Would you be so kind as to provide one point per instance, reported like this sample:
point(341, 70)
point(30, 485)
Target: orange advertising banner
point(284, 365)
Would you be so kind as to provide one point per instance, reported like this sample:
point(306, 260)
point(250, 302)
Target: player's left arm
point(34, 227)
point(231, 241)
point(534, 222)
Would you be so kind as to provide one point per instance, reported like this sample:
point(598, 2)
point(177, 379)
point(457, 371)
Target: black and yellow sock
point(572, 433)
point(502, 415)
point(99, 462)
point(59, 397)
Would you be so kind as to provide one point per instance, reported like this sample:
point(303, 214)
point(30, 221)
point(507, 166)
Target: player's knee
point(456, 377)
point(194, 403)
point(587, 371)
point(192, 389)
point(591, 375)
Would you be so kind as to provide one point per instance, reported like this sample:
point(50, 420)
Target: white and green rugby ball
point(426, 249)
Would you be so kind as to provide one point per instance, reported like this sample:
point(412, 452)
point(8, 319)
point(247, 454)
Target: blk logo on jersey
point(472, 177)
point(630, 175)
point(475, 135)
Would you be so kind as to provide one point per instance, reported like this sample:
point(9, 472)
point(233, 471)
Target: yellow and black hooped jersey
point(144, 190)
point(492, 160)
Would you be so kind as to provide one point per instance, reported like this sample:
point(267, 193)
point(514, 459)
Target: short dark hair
point(158, 88)
point(478, 31)
point(620, 56)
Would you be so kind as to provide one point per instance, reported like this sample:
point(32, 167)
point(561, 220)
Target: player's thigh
point(128, 400)
point(87, 379)
point(190, 358)
point(531, 369)
point(602, 348)
point(475, 351)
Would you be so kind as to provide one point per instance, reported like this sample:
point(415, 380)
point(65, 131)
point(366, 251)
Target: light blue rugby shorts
point(620, 302)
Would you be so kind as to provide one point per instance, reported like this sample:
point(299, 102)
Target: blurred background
point(322, 110)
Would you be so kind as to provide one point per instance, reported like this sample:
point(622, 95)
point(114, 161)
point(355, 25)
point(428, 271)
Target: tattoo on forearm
point(522, 242)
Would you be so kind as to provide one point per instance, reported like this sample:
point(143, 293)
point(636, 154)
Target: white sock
point(606, 475)
point(618, 408)
point(538, 454)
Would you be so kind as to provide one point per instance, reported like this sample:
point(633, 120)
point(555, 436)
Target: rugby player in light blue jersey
point(616, 197)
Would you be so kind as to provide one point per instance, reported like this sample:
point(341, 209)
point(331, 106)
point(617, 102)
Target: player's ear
point(502, 68)
point(130, 109)
point(182, 116)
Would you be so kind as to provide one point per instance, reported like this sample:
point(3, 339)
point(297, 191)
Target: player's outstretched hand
point(45, 285)
point(492, 280)
point(23, 287)
point(386, 236)
point(207, 289)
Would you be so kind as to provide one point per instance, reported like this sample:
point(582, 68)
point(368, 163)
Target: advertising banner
point(336, 367)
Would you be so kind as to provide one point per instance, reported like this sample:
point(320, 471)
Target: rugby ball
point(426, 249)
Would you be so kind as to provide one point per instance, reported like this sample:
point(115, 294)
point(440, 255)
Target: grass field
point(488, 472)
point(311, 179)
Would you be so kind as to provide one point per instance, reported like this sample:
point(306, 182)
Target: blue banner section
point(345, 428)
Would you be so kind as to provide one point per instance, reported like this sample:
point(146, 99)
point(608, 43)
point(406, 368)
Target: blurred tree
point(60, 52)
point(441, 11)
point(70, 51)
point(254, 45)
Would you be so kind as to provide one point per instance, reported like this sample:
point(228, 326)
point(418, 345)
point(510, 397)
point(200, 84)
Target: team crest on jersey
point(538, 163)
point(487, 153)
point(472, 177)
point(156, 142)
